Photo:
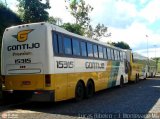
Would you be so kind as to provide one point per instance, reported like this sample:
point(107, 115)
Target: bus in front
point(24, 63)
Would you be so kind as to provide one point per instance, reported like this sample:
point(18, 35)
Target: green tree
point(33, 10)
point(89, 32)
point(55, 21)
point(52, 20)
point(80, 11)
point(99, 32)
point(8, 18)
point(74, 28)
point(121, 44)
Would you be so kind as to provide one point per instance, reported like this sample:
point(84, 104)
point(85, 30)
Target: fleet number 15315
point(21, 61)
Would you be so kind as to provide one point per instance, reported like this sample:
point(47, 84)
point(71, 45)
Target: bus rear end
point(24, 61)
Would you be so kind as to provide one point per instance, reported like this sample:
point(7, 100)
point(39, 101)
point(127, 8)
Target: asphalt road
point(141, 99)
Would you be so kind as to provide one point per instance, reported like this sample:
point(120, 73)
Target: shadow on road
point(133, 98)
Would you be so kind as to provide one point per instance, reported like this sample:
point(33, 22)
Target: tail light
point(47, 80)
point(38, 92)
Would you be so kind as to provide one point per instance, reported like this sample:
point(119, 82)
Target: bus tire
point(121, 82)
point(80, 91)
point(136, 79)
point(90, 89)
point(152, 75)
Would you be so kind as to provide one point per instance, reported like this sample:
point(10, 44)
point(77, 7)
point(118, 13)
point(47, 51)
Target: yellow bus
point(44, 62)
point(138, 66)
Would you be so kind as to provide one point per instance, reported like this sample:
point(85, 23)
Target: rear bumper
point(36, 95)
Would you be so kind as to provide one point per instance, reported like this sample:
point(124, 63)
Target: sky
point(136, 22)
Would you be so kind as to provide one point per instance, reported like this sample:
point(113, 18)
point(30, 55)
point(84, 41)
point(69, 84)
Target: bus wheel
point(79, 92)
point(152, 75)
point(89, 89)
point(121, 82)
point(136, 79)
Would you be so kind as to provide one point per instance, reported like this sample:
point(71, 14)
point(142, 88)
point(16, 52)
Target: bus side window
point(115, 54)
point(100, 50)
point(89, 50)
point(109, 53)
point(124, 55)
point(76, 47)
point(83, 49)
point(104, 53)
point(112, 54)
point(118, 55)
point(67, 45)
point(60, 44)
point(95, 50)
point(55, 42)
point(121, 56)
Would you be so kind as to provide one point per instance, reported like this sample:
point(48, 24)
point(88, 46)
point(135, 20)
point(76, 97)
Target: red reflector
point(38, 92)
point(48, 80)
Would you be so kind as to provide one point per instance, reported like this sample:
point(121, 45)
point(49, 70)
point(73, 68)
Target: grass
point(158, 67)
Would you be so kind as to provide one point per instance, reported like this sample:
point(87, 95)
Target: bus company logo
point(22, 35)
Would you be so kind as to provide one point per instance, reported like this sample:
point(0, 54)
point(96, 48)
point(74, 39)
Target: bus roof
point(62, 30)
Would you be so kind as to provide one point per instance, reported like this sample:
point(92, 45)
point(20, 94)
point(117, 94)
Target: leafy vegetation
point(158, 64)
point(120, 44)
point(33, 11)
point(158, 68)
point(8, 18)
point(55, 21)
point(74, 28)
point(80, 11)
point(99, 32)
